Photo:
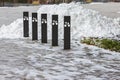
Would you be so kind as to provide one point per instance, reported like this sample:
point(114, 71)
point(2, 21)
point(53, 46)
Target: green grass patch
point(110, 44)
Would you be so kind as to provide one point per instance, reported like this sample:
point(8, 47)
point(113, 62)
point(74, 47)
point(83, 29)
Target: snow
point(95, 3)
point(14, 30)
point(24, 59)
point(118, 12)
point(85, 23)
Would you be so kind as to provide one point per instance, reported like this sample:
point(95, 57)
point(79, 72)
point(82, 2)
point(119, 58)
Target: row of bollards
point(67, 25)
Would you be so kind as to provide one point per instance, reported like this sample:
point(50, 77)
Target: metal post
point(67, 26)
point(44, 28)
point(3, 3)
point(25, 24)
point(34, 26)
point(54, 30)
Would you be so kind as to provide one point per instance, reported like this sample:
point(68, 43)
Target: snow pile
point(85, 23)
point(14, 30)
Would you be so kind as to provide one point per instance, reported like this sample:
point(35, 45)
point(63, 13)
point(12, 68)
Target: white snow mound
point(14, 30)
point(84, 23)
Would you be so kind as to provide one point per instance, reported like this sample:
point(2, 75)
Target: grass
point(110, 44)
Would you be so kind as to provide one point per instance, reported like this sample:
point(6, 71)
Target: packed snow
point(24, 59)
point(28, 60)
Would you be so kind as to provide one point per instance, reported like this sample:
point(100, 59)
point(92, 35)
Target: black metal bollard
point(26, 24)
point(67, 25)
point(54, 30)
point(34, 26)
point(44, 28)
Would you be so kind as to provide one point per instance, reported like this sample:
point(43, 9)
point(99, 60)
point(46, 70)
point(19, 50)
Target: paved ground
point(111, 10)
point(9, 14)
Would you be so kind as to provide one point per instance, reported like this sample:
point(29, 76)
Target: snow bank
point(14, 30)
point(85, 22)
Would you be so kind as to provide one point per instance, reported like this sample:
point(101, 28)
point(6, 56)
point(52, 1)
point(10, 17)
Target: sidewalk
point(7, 4)
point(110, 9)
point(9, 14)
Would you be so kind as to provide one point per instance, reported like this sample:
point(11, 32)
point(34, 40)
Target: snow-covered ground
point(28, 60)
point(24, 59)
